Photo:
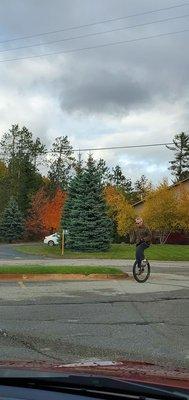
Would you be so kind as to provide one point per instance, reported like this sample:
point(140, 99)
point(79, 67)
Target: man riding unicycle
point(142, 238)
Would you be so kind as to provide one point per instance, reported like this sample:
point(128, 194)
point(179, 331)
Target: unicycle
point(142, 273)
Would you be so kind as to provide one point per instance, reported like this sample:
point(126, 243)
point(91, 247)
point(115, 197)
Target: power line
point(112, 147)
point(94, 23)
point(95, 33)
point(95, 47)
point(117, 147)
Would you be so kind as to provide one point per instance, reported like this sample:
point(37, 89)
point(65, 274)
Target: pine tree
point(4, 186)
point(18, 142)
point(21, 153)
point(103, 171)
point(11, 225)
point(142, 187)
point(61, 163)
point(29, 182)
point(118, 179)
point(74, 191)
point(85, 213)
point(180, 165)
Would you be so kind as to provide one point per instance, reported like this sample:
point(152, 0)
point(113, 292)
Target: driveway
point(8, 252)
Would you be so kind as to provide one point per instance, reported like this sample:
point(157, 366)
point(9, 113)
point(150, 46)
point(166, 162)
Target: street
point(68, 322)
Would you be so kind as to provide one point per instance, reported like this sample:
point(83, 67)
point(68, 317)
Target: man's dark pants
point(140, 251)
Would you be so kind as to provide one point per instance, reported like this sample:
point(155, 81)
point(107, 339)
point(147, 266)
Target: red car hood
point(124, 370)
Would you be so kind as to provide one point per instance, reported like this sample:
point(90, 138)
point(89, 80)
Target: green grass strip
point(166, 252)
point(45, 269)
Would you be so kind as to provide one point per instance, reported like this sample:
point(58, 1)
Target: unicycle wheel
point(142, 273)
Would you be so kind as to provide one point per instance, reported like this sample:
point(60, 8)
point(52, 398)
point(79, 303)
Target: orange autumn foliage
point(34, 227)
point(51, 211)
point(45, 214)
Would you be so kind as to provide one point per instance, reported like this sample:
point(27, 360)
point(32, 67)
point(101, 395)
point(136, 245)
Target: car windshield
point(94, 184)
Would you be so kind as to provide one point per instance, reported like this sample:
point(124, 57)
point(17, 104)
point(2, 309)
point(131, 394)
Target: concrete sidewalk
point(90, 262)
point(157, 283)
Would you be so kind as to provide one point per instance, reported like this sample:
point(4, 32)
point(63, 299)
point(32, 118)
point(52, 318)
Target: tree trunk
point(166, 237)
point(163, 237)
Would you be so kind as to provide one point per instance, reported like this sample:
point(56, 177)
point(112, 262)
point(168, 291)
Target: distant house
point(177, 237)
point(184, 184)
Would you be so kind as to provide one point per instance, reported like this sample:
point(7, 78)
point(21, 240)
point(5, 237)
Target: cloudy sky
point(132, 93)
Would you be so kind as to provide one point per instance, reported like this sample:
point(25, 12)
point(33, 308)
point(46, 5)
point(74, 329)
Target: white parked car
point(52, 240)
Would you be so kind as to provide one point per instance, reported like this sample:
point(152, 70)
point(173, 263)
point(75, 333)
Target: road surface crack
point(26, 343)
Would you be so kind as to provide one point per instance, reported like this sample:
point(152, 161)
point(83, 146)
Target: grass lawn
point(46, 269)
point(166, 252)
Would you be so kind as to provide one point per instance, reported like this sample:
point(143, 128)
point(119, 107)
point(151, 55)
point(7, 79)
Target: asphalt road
point(67, 322)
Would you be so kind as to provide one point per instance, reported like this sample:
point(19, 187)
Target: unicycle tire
point(141, 277)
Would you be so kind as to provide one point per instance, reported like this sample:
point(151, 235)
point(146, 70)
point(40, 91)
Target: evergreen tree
point(78, 165)
point(28, 182)
point(101, 167)
point(9, 143)
point(74, 191)
point(128, 190)
point(4, 186)
point(118, 179)
point(85, 213)
point(38, 149)
point(19, 142)
point(61, 164)
point(3, 170)
point(180, 165)
point(142, 187)
point(24, 181)
point(11, 225)
point(103, 171)
point(21, 152)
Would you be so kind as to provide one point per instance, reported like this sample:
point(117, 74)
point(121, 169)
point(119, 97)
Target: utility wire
point(95, 33)
point(94, 23)
point(94, 47)
point(121, 147)
point(112, 148)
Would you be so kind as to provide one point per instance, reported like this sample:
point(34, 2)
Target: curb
point(60, 277)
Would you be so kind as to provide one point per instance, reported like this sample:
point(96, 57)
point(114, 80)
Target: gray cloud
point(103, 91)
point(125, 94)
point(113, 89)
